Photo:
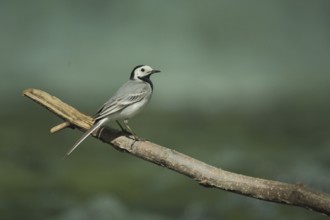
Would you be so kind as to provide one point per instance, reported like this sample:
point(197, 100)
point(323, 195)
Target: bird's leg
point(128, 127)
point(121, 127)
point(130, 130)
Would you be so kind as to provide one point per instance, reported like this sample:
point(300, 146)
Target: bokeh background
point(244, 86)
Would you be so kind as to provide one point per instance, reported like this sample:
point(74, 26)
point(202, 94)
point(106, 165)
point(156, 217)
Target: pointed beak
point(154, 71)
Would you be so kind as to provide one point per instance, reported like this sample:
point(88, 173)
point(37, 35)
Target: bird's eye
point(142, 70)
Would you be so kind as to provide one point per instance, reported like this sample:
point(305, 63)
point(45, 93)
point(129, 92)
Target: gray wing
point(126, 95)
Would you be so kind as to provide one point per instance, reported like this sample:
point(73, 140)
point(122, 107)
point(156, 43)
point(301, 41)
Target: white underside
point(130, 111)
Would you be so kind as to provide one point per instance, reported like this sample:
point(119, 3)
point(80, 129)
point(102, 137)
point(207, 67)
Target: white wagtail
point(129, 100)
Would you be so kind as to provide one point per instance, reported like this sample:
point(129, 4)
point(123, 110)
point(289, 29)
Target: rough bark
point(204, 174)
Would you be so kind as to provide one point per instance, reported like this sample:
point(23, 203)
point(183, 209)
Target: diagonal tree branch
point(204, 174)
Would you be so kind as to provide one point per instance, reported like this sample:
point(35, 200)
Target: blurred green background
point(244, 86)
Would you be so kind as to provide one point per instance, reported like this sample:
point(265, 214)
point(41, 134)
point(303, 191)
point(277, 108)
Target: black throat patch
point(147, 80)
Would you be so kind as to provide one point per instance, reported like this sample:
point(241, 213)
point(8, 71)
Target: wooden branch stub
point(206, 175)
point(60, 127)
point(71, 115)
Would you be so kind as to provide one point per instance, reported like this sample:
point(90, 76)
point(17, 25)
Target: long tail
point(87, 133)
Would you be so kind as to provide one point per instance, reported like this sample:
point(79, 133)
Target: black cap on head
point(132, 73)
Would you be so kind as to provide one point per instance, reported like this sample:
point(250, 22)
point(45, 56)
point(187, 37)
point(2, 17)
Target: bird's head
point(142, 72)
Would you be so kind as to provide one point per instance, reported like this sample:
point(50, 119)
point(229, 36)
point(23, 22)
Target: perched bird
point(129, 100)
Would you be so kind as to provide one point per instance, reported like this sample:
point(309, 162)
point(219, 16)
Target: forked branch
point(204, 174)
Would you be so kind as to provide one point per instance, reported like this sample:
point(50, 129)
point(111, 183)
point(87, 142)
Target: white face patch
point(142, 72)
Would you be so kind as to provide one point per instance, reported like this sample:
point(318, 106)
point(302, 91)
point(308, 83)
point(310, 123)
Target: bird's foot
point(128, 131)
point(136, 138)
